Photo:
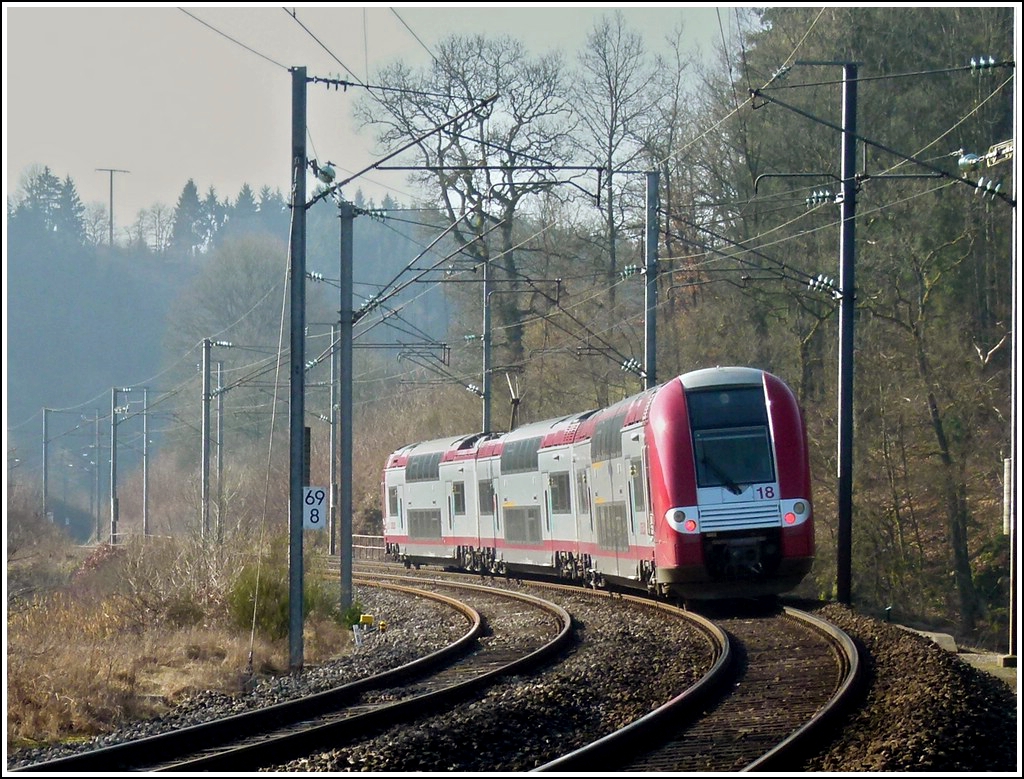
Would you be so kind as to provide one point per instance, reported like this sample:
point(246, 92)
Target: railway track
point(773, 680)
point(780, 677)
point(783, 679)
point(261, 737)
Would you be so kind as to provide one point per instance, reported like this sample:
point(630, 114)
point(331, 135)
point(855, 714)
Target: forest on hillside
point(546, 192)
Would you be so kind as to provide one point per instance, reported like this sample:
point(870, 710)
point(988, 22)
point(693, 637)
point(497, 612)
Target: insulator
point(982, 64)
point(969, 162)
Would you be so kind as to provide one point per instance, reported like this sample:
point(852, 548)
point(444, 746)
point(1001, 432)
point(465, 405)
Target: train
point(696, 489)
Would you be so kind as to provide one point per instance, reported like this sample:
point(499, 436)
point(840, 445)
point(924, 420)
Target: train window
point(730, 407)
point(423, 467)
point(559, 483)
point(732, 457)
point(606, 442)
point(522, 525)
point(520, 456)
point(424, 523)
point(582, 492)
point(612, 534)
point(459, 497)
point(392, 501)
point(485, 489)
point(636, 472)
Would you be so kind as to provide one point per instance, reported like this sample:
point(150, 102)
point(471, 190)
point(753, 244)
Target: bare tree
point(481, 170)
point(612, 97)
point(160, 220)
point(97, 224)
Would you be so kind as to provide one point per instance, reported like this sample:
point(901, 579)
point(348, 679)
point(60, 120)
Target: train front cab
point(730, 485)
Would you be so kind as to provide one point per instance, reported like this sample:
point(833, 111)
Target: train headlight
point(795, 512)
point(683, 520)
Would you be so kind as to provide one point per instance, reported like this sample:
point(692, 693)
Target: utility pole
point(298, 368)
point(346, 214)
point(112, 171)
point(204, 476)
point(651, 287)
point(113, 465)
point(46, 470)
point(1009, 660)
point(332, 547)
point(96, 472)
point(220, 452)
point(205, 432)
point(847, 298)
point(844, 536)
point(145, 462)
point(486, 338)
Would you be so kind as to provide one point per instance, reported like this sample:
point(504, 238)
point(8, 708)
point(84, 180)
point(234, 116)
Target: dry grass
point(77, 670)
point(130, 633)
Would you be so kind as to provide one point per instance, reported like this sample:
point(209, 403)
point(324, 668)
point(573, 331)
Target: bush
point(260, 598)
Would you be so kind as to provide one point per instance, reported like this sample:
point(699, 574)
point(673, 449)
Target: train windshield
point(730, 437)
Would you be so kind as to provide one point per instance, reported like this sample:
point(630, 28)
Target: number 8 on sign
point(314, 508)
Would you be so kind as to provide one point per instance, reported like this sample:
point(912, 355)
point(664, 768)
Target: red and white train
point(698, 488)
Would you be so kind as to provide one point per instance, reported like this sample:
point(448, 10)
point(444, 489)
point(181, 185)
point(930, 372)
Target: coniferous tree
point(70, 217)
point(39, 206)
point(274, 213)
point(214, 216)
point(187, 234)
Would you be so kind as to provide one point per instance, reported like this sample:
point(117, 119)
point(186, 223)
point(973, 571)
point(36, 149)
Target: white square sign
point(314, 508)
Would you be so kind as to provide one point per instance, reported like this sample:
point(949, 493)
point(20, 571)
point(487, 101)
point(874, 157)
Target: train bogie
point(699, 488)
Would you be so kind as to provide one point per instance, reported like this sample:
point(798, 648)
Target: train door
point(610, 521)
point(455, 492)
point(584, 517)
point(487, 519)
point(641, 520)
point(395, 520)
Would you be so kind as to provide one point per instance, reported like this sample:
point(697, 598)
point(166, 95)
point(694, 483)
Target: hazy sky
point(169, 93)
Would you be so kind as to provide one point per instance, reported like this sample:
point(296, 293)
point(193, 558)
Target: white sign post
point(314, 510)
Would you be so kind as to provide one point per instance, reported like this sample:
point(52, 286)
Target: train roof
point(546, 430)
point(729, 376)
point(579, 426)
point(399, 456)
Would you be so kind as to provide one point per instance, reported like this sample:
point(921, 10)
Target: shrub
point(260, 596)
point(259, 599)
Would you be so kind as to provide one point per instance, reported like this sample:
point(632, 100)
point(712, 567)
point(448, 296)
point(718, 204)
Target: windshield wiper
point(734, 488)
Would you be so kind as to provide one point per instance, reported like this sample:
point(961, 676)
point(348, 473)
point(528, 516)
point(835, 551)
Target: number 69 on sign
point(314, 508)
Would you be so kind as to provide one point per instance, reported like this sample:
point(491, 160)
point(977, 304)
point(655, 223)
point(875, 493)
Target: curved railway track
point(261, 737)
point(780, 677)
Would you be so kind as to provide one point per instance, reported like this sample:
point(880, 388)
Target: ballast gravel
point(924, 709)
